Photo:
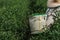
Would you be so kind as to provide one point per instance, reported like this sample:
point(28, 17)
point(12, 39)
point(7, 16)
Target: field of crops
point(14, 20)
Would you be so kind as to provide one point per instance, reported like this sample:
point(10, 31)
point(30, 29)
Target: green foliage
point(38, 6)
point(13, 20)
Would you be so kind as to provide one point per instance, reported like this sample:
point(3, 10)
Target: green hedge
point(13, 20)
point(38, 6)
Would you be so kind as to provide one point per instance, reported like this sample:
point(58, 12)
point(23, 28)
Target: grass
point(14, 20)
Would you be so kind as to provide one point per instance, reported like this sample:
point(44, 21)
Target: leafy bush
point(38, 6)
point(13, 20)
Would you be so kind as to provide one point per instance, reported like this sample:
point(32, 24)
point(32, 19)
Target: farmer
point(53, 12)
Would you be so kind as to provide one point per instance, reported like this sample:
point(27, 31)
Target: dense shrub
point(13, 20)
point(38, 6)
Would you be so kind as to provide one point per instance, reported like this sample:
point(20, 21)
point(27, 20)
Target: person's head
point(56, 0)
